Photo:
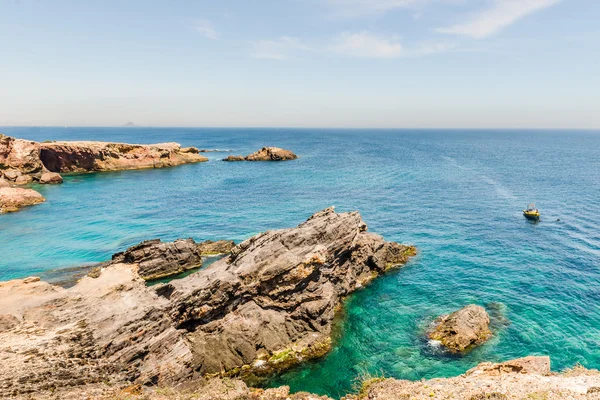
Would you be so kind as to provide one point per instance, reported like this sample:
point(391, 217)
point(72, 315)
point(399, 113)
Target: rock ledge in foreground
point(13, 199)
point(266, 307)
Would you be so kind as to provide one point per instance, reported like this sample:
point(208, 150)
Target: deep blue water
point(456, 195)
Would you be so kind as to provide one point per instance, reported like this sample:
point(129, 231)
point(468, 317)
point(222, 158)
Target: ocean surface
point(456, 195)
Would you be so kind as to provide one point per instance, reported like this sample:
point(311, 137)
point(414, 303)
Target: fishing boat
point(532, 213)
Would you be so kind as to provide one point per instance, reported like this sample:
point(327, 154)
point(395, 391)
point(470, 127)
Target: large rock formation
point(13, 199)
point(267, 306)
point(20, 160)
point(19, 157)
point(25, 161)
point(462, 329)
point(104, 156)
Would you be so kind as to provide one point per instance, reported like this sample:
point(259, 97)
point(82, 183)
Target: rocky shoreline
point(25, 161)
point(266, 307)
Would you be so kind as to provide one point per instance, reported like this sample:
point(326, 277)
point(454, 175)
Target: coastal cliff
point(85, 156)
point(265, 308)
point(25, 161)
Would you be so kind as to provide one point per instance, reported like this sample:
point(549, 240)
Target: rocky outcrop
point(20, 160)
point(209, 248)
point(106, 156)
point(265, 154)
point(525, 378)
point(19, 157)
point(266, 307)
point(155, 259)
point(462, 329)
point(234, 158)
point(271, 154)
point(13, 199)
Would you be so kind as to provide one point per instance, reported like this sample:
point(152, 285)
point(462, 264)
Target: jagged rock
point(155, 259)
point(462, 329)
point(271, 154)
point(209, 247)
point(50, 178)
point(104, 156)
point(266, 307)
point(12, 199)
point(234, 158)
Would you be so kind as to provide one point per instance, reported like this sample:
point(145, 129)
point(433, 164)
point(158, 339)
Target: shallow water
point(456, 195)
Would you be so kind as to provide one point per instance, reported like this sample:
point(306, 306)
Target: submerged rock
point(271, 154)
point(462, 329)
point(105, 156)
point(266, 307)
point(209, 247)
point(156, 259)
point(12, 199)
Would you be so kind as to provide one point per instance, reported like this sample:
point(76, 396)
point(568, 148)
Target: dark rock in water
point(462, 329)
point(266, 307)
point(50, 178)
point(271, 154)
point(234, 158)
point(209, 247)
point(156, 259)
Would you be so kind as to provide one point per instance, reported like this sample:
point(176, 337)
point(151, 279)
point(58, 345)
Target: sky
point(301, 63)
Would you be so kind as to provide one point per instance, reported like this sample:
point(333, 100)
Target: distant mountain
point(130, 124)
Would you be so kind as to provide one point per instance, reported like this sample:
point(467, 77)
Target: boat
point(532, 213)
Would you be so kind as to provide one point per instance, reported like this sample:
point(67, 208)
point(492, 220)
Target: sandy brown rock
point(50, 178)
point(462, 329)
point(12, 199)
point(266, 307)
point(104, 156)
point(208, 247)
point(19, 157)
point(271, 154)
point(156, 259)
point(492, 381)
point(234, 158)
point(4, 183)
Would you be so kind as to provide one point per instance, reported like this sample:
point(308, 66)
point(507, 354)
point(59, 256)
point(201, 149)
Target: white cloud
point(502, 14)
point(366, 44)
point(277, 49)
point(206, 28)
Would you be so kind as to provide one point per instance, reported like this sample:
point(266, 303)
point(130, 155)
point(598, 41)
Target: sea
point(457, 195)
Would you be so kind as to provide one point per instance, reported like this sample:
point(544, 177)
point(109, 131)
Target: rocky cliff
point(105, 156)
point(26, 161)
point(267, 306)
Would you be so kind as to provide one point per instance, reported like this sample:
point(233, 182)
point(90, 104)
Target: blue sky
point(301, 63)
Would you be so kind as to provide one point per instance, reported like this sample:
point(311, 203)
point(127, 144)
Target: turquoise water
point(456, 195)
